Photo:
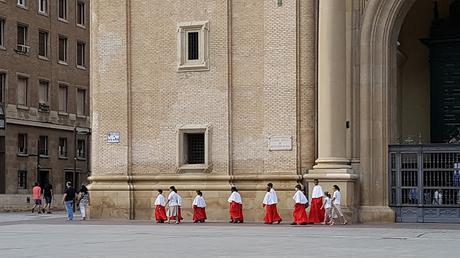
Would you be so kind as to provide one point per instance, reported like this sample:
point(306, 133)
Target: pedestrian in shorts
point(37, 196)
point(48, 198)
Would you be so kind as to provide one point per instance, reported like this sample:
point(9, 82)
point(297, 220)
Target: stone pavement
point(27, 235)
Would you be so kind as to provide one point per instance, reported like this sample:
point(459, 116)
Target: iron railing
point(424, 182)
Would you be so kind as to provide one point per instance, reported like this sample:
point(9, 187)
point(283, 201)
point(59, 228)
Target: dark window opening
point(43, 145)
point(193, 47)
point(22, 179)
point(195, 148)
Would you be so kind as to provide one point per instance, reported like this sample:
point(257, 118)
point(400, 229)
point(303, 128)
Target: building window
point(43, 44)
point(2, 87)
point(22, 46)
point(63, 147)
point(81, 12)
point(63, 99)
point(81, 102)
point(22, 179)
point(63, 49)
point(81, 149)
point(22, 3)
point(43, 6)
point(2, 32)
point(43, 145)
point(22, 143)
point(43, 92)
point(81, 54)
point(22, 91)
point(193, 148)
point(193, 41)
point(62, 9)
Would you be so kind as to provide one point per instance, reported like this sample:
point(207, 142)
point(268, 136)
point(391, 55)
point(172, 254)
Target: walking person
point(271, 214)
point(274, 201)
point(236, 206)
point(174, 202)
point(301, 203)
point(48, 196)
point(199, 208)
point(160, 207)
point(37, 197)
point(336, 200)
point(327, 207)
point(83, 201)
point(316, 213)
point(68, 200)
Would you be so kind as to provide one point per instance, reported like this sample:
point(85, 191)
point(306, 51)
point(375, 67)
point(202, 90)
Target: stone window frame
point(27, 90)
point(181, 166)
point(202, 64)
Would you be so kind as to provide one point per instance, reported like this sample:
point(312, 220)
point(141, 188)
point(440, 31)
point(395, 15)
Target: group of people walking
point(71, 197)
point(324, 207)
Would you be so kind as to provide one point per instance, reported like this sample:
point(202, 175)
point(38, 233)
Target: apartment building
point(44, 93)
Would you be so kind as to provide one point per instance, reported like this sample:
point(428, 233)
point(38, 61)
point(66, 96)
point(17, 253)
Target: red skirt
point(316, 213)
point(199, 213)
point(271, 214)
point(160, 213)
point(179, 213)
point(236, 211)
point(299, 214)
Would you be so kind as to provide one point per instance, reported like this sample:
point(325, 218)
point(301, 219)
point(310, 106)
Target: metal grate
point(425, 179)
point(195, 148)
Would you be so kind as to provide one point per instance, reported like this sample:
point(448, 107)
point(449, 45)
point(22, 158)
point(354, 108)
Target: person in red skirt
point(199, 208)
point(271, 213)
point(160, 207)
point(236, 206)
point(316, 212)
point(301, 202)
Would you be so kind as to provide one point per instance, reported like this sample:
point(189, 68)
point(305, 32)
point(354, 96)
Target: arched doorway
point(392, 67)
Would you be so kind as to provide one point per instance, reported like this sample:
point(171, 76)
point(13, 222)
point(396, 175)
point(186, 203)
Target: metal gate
point(424, 182)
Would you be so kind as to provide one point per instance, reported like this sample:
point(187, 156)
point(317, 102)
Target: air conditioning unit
point(22, 49)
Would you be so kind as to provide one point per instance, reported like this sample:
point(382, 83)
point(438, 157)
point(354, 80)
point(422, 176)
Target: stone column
point(332, 86)
point(332, 166)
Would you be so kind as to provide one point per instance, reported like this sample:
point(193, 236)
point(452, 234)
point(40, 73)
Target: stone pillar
point(333, 166)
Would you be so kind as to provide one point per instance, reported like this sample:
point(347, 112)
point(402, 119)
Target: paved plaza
point(28, 235)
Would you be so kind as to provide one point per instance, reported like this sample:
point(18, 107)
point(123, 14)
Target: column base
point(376, 214)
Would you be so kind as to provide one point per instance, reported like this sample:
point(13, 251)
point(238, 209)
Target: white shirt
point(235, 197)
point(274, 196)
point(160, 200)
point(317, 192)
point(269, 199)
point(337, 196)
point(299, 197)
point(199, 202)
point(174, 199)
point(327, 203)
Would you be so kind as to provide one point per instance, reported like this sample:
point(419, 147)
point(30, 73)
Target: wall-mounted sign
point(113, 137)
point(280, 143)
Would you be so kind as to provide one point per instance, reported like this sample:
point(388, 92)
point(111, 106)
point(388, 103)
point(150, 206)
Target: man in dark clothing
point(68, 200)
point(48, 196)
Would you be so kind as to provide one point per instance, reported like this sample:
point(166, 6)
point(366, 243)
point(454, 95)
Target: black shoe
point(49, 212)
point(293, 223)
point(32, 210)
point(279, 221)
point(231, 221)
point(43, 210)
point(196, 221)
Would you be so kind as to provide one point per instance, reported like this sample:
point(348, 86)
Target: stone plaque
point(280, 143)
point(113, 137)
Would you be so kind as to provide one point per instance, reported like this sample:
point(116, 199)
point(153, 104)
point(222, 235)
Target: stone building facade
point(212, 94)
point(44, 69)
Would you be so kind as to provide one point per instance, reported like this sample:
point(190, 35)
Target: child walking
point(199, 208)
point(327, 206)
point(160, 207)
point(236, 206)
point(336, 199)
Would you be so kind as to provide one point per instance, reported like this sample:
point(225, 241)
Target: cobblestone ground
point(28, 235)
